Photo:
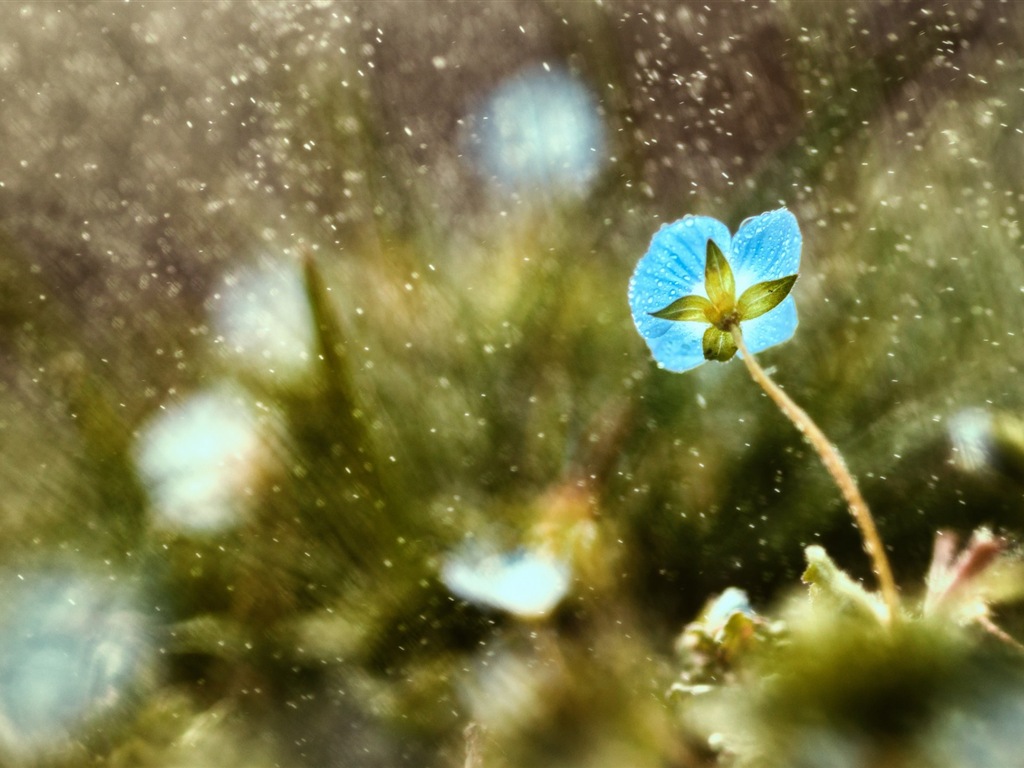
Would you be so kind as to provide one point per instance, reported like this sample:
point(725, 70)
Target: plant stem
point(836, 467)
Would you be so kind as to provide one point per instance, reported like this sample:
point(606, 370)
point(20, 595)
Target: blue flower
point(683, 294)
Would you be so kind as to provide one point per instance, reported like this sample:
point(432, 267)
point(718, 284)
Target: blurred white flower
point(197, 459)
point(71, 649)
point(263, 320)
point(541, 128)
point(988, 441)
point(526, 583)
point(970, 432)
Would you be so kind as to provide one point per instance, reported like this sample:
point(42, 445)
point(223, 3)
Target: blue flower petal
point(673, 267)
point(681, 347)
point(765, 247)
point(771, 328)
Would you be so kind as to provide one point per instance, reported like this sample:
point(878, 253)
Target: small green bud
point(718, 345)
point(764, 297)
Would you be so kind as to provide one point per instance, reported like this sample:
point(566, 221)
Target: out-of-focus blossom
point(541, 128)
point(697, 282)
point(198, 458)
point(970, 432)
point(718, 641)
point(71, 649)
point(263, 320)
point(527, 583)
point(985, 441)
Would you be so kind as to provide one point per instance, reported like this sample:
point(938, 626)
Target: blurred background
point(326, 435)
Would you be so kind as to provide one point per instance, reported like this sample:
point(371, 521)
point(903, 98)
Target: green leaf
point(718, 279)
point(347, 417)
point(718, 345)
point(689, 308)
point(764, 297)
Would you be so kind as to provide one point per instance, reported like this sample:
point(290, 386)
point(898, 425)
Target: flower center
point(724, 315)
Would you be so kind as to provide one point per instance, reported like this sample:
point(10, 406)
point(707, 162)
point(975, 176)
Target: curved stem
point(836, 467)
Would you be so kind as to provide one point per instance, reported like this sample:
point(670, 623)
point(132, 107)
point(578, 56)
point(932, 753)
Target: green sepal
point(718, 279)
point(764, 297)
point(718, 345)
point(689, 309)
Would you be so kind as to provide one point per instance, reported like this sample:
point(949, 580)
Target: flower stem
point(836, 467)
